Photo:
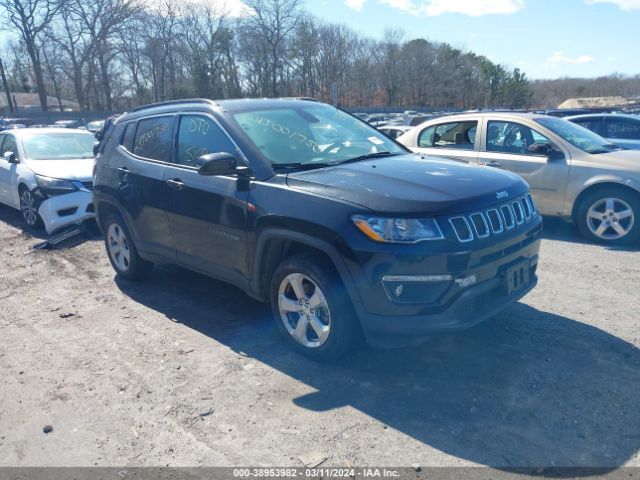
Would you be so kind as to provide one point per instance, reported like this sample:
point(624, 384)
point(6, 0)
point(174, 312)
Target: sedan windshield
point(58, 146)
point(312, 135)
point(577, 136)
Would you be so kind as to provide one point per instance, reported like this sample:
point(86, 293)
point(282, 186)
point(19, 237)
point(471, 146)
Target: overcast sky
point(545, 38)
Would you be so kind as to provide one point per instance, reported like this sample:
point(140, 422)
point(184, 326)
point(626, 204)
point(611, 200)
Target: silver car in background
point(621, 129)
point(573, 172)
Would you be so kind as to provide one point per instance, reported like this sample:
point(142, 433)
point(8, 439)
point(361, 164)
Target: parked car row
point(13, 123)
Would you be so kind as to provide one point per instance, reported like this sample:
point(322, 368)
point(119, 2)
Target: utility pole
point(7, 92)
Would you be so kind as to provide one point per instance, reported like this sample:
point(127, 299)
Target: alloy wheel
point(28, 208)
point(118, 247)
point(610, 218)
point(304, 310)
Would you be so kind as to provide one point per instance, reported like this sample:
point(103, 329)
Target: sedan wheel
point(304, 310)
point(29, 208)
point(118, 246)
point(610, 219)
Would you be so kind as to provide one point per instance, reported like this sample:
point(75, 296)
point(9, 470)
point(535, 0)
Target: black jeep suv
point(345, 232)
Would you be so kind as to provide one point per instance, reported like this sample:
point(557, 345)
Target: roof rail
point(173, 102)
point(308, 99)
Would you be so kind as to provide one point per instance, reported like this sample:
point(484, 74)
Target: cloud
point(355, 4)
point(472, 8)
point(622, 4)
point(560, 57)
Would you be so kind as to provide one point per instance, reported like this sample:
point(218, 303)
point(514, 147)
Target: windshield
point(58, 146)
point(312, 134)
point(576, 135)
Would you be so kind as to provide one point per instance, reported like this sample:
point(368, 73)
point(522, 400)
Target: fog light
point(399, 290)
point(417, 289)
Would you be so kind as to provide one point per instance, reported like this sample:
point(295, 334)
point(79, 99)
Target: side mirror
point(555, 154)
point(11, 157)
point(220, 163)
point(98, 135)
point(96, 148)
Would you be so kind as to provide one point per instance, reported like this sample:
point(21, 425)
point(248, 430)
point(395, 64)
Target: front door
point(8, 195)
point(454, 140)
point(508, 146)
point(207, 214)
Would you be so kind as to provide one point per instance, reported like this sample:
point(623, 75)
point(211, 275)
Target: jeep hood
point(80, 169)
point(411, 184)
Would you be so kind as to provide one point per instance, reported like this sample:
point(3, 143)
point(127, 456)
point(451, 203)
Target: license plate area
point(517, 277)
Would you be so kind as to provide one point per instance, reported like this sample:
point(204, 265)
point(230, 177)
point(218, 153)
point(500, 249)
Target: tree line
point(116, 54)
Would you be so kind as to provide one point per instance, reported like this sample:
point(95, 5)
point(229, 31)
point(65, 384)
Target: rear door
point(458, 140)
point(507, 146)
point(207, 214)
point(144, 154)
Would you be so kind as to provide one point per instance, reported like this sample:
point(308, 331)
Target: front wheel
point(29, 204)
point(312, 310)
point(610, 216)
point(122, 251)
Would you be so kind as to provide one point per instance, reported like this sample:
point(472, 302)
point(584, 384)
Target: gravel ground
point(183, 370)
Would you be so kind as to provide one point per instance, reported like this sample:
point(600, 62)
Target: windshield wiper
point(367, 156)
point(300, 166)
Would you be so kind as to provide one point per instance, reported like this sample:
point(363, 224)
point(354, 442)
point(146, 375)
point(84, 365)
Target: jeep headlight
point(54, 186)
point(398, 230)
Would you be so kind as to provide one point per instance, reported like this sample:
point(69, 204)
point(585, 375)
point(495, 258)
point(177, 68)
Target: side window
point(623, 128)
point(128, 135)
point(459, 135)
point(509, 137)
point(153, 138)
point(592, 124)
point(426, 137)
point(197, 136)
point(9, 145)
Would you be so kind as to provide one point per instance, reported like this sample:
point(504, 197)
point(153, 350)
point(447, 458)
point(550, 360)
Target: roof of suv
point(224, 105)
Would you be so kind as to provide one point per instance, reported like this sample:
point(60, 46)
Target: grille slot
point(480, 225)
point(495, 220)
point(507, 215)
point(526, 207)
point(519, 213)
point(462, 229)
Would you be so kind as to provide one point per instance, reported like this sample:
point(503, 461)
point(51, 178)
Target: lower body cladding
point(414, 296)
point(60, 211)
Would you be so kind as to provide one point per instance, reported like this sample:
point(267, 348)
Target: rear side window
point(458, 135)
point(197, 136)
point(128, 136)
point(153, 138)
point(623, 128)
point(592, 124)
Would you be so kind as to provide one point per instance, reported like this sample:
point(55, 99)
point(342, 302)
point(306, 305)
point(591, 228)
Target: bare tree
point(30, 18)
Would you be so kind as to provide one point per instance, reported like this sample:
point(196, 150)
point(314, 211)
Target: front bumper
point(63, 210)
point(472, 289)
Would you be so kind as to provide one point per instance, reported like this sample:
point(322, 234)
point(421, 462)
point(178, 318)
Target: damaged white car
point(47, 174)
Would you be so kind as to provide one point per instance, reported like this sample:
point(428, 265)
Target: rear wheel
point(610, 215)
point(29, 205)
point(122, 251)
point(312, 310)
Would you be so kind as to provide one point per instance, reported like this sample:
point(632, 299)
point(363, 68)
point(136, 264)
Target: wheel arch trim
point(288, 235)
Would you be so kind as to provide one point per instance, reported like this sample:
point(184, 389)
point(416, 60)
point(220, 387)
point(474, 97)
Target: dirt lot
point(185, 370)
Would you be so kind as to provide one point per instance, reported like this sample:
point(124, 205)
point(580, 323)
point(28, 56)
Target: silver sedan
point(573, 172)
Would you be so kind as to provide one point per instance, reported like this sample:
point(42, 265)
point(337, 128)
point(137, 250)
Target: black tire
point(29, 204)
point(117, 233)
point(344, 334)
point(600, 195)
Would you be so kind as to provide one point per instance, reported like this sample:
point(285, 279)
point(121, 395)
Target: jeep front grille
point(493, 221)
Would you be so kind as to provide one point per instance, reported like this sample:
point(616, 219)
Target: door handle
point(123, 169)
point(175, 183)
point(494, 163)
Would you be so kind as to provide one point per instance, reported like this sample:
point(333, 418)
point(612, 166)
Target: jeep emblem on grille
point(502, 194)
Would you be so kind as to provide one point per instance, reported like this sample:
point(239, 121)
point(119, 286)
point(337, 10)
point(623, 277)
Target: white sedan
point(47, 174)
